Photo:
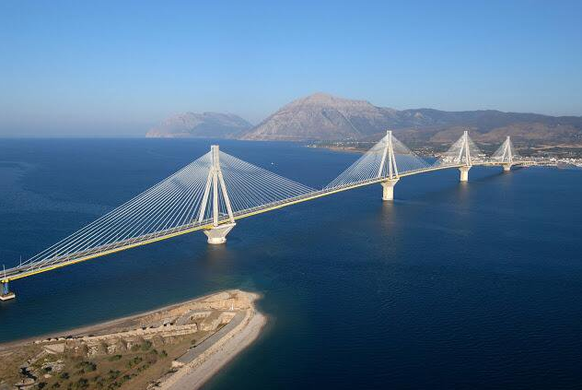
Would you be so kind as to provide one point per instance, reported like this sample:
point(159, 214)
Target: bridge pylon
point(5, 293)
point(389, 159)
point(462, 155)
point(215, 194)
point(507, 156)
point(465, 156)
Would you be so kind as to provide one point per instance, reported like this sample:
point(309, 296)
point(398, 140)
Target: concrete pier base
point(506, 167)
point(388, 189)
point(5, 293)
point(464, 174)
point(217, 235)
point(7, 297)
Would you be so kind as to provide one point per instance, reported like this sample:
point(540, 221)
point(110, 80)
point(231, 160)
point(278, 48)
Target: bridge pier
point(6, 294)
point(507, 167)
point(388, 189)
point(217, 234)
point(464, 173)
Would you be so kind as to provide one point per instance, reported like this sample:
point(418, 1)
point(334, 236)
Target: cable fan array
point(505, 153)
point(463, 152)
point(375, 163)
point(173, 205)
point(172, 202)
point(250, 187)
point(185, 200)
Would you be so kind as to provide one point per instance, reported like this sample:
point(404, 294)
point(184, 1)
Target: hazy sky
point(117, 67)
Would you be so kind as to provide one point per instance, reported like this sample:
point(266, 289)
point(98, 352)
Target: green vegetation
point(146, 346)
point(114, 358)
point(82, 383)
point(86, 367)
point(135, 361)
point(113, 374)
point(105, 372)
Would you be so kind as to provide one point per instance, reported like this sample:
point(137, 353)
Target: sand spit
point(198, 371)
point(176, 347)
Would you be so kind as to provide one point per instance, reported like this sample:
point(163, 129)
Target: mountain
point(325, 117)
point(321, 117)
point(488, 126)
point(205, 125)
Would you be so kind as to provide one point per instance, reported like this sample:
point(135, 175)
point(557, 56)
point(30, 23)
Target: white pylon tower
point(388, 157)
point(507, 157)
point(214, 182)
point(5, 293)
point(465, 152)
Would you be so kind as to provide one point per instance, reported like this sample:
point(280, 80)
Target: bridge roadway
point(24, 271)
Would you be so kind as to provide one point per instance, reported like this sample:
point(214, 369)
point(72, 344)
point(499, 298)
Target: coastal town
point(556, 157)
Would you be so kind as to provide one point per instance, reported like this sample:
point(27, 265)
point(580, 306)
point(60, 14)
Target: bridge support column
point(506, 167)
point(6, 294)
point(215, 186)
point(217, 234)
point(388, 189)
point(464, 173)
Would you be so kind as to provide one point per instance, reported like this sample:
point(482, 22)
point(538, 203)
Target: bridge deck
point(27, 270)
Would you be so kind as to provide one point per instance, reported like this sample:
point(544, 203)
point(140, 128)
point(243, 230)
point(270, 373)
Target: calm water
point(452, 286)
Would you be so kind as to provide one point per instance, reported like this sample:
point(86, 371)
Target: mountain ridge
point(324, 117)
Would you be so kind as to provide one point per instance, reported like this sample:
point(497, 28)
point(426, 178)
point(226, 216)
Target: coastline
point(95, 327)
point(199, 371)
point(223, 324)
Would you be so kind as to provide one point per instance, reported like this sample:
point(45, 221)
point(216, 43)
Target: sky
point(116, 68)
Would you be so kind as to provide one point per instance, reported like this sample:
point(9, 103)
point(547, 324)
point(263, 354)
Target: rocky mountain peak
point(320, 99)
point(321, 116)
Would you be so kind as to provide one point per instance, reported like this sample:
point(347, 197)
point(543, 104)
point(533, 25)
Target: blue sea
point(466, 286)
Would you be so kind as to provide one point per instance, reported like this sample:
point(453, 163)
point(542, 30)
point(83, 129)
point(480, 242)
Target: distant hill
point(321, 117)
point(205, 125)
point(324, 117)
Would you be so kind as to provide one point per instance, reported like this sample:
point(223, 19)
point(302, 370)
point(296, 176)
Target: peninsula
point(176, 347)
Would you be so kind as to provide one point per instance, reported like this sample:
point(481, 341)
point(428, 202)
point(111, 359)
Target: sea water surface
point(474, 285)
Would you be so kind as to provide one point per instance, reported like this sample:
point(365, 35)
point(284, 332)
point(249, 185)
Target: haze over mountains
point(205, 125)
point(325, 117)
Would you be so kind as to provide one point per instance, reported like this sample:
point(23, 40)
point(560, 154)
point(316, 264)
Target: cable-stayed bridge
point(217, 189)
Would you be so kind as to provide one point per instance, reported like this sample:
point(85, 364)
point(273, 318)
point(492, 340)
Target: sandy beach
point(195, 374)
